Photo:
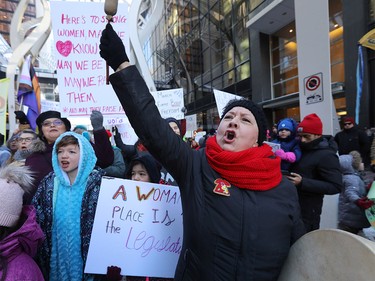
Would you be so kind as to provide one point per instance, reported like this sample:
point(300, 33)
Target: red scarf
point(254, 168)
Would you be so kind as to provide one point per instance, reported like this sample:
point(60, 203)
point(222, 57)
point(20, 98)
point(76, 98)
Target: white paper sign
point(191, 122)
point(274, 146)
point(170, 103)
point(81, 72)
point(49, 105)
point(138, 227)
point(128, 136)
point(222, 98)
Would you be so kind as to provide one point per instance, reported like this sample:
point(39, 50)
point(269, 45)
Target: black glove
point(21, 116)
point(113, 273)
point(111, 47)
point(117, 137)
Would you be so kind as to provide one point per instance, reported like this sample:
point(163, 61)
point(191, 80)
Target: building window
point(284, 62)
point(284, 54)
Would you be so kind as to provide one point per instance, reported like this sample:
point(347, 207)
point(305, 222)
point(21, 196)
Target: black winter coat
point(244, 236)
point(353, 139)
point(320, 170)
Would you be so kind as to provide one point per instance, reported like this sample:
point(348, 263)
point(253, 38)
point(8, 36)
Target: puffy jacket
point(320, 170)
point(244, 236)
point(353, 188)
point(20, 247)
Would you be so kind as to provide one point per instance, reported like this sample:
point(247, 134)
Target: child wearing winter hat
point(20, 235)
point(353, 200)
point(289, 151)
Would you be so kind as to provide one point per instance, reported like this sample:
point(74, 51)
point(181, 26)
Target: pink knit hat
point(311, 124)
point(11, 195)
point(13, 182)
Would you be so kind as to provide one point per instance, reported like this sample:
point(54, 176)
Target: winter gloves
point(287, 156)
point(364, 203)
point(111, 47)
point(113, 273)
point(96, 118)
point(21, 116)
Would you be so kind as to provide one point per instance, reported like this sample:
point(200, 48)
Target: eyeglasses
point(25, 139)
point(347, 124)
point(55, 123)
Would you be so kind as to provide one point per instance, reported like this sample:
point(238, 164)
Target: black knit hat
point(51, 114)
point(255, 110)
point(152, 167)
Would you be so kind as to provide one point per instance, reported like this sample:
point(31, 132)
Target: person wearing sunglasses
point(352, 138)
point(50, 126)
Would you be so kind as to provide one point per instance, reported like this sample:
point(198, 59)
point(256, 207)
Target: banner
point(4, 84)
point(138, 227)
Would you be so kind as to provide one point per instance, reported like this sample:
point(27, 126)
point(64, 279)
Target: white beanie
point(13, 182)
point(11, 196)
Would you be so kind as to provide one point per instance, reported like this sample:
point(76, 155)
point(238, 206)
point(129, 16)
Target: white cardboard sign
point(138, 227)
point(170, 103)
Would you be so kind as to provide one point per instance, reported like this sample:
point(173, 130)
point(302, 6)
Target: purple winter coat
point(20, 247)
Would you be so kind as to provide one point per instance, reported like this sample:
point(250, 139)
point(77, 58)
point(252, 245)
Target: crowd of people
point(244, 204)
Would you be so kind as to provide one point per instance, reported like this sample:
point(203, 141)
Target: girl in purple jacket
point(20, 235)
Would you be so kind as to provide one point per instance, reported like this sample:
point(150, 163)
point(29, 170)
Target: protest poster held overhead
point(77, 28)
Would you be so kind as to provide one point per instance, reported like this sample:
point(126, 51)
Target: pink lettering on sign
point(64, 48)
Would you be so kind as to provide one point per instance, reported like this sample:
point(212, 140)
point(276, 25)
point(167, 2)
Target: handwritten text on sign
point(170, 103)
point(138, 227)
point(81, 74)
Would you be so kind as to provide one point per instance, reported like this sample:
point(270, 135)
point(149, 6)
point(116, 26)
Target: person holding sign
point(240, 216)
point(65, 204)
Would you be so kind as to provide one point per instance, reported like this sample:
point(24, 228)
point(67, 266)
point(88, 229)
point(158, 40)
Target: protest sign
point(222, 98)
point(274, 146)
point(170, 103)
point(138, 227)
point(81, 72)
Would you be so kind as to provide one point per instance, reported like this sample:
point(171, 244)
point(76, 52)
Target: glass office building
point(202, 45)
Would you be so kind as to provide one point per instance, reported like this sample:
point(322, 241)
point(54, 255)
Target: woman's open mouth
point(230, 135)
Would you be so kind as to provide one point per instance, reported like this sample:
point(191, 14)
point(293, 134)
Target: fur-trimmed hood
point(37, 145)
